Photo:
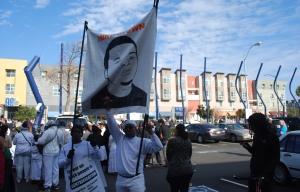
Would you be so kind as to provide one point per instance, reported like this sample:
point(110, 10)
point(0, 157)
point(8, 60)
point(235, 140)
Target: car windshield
point(235, 126)
point(66, 120)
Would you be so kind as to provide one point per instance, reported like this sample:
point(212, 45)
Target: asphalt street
point(216, 163)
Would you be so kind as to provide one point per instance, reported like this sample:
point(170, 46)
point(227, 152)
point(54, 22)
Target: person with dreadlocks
point(265, 154)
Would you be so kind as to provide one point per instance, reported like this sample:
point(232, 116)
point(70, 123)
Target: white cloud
point(5, 14)
point(220, 30)
point(41, 4)
point(4, 22)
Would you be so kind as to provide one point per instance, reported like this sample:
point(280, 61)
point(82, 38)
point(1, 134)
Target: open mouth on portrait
point(126, 72)
point(126, 83)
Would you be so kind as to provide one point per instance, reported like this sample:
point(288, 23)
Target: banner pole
point(76, 97)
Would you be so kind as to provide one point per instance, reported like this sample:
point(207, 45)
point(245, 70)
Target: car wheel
point(217, 141)
point(233, 138)
point(282, 175)
point(200, 139)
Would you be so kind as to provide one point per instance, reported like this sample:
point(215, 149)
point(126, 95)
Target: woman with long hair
point(179, 153)
point(282, 130)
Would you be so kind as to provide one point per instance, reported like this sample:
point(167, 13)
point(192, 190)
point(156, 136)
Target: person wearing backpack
point(23, 142)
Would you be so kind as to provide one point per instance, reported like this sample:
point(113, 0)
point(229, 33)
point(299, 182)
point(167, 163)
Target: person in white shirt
point(128, 150)
point(36, 163)
point(52, 139)
point(81, 149)
point(23, 141)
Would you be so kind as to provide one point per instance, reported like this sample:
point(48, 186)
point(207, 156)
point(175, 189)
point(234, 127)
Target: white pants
point(134, 184)
point(23, 162)
point(51, 171)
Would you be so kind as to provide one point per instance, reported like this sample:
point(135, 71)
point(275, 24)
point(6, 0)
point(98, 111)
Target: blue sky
point(221, 30)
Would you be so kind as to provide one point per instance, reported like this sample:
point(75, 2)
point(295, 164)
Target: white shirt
point(128, 148)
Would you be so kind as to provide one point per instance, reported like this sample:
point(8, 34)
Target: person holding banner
point(130, 177)
point(86, 156)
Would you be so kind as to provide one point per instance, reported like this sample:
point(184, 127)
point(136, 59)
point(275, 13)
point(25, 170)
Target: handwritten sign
point(85, 177)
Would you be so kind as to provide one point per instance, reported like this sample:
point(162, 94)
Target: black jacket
point(272, 127)
point(265, 153)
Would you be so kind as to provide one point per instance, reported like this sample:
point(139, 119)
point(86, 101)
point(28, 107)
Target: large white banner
point(120, 66)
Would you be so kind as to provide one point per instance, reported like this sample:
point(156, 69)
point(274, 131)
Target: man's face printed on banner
point(122, 64)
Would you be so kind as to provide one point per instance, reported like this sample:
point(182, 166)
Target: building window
point(219, 103)
point(152, 93)
point(43, 74)
point(208, 95)
point(232, 83)
point(282, 97)
point(263, 86)
point(183, 94)
point(232, 95)
point(10, 73)
point(260, 104)
point(272, 104)
point(166, 79)
point(192, 82)
point(220, 83)
point(55, 90)
point(10, 89)
point(277, 87)
point(272, 96)
point(76, 77)
point(283, 87)
point(207, 82)
point(244, 96)
point(182, 80)
point(231, 104)
point(271, 86)
point(79, 92)
point(220, 95)
point(166, 93)
point(243, 84)
point(152, 79)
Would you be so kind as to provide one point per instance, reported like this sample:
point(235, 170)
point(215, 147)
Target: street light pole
point(247, 100)
point(278, 112)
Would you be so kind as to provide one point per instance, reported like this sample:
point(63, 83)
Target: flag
point(120, 66)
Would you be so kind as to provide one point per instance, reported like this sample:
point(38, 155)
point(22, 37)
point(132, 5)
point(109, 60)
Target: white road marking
point(234, 183)
point(201, 145)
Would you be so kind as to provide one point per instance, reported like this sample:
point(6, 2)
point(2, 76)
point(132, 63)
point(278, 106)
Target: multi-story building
point(221, 92)
point(13, 86)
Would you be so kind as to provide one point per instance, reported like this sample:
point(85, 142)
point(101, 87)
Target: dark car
point(235, 132)
point(292, 123)
point(201, 132)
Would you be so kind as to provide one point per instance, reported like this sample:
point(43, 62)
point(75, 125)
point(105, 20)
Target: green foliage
point(240, 113)
point(293, 112)
point(201, 111)
point(298, 91)
point(25, 113)
point(100, 118)
point(172, 132)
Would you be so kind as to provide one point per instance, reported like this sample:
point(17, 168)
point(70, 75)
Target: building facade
point(221, 93)
point(13, 85)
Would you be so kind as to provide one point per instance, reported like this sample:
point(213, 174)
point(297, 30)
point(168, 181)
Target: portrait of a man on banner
point(120, 66)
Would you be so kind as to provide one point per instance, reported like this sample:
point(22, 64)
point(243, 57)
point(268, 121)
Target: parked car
point(66, 117)
point(205, 131)
point(289, 166)
point(292, 123)
point(235, 132)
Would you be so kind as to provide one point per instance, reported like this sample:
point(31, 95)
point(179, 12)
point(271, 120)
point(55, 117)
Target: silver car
point(235, 132)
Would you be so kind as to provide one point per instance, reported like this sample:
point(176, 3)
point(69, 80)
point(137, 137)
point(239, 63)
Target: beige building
point(13, 85)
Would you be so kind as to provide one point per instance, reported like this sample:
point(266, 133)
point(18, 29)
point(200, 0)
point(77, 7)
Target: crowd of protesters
point(22, 152)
